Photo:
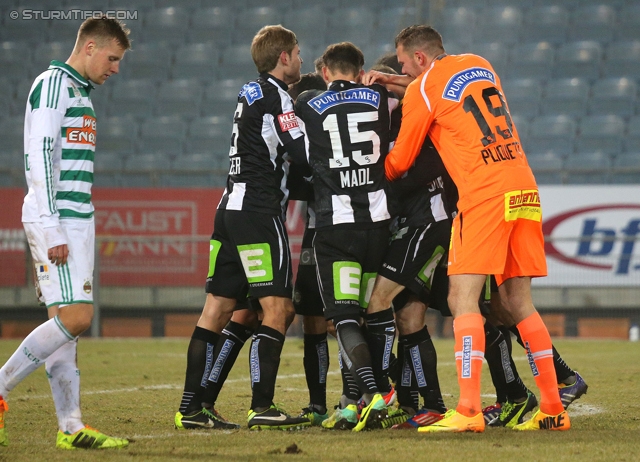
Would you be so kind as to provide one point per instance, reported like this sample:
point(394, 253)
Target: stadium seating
point(565, 96)
point(162, 135)
point(13, 55)
point(179, 98)
point(352, 25)
point(166, 24)
point(632, 140)
point(523, 96)
point(134, 97)
point(593, 22)
point(150, 60)
point(495, 52)
point(548, 23)
point(310, 24)
point(47, 52)
point(613, 96)
point(500, 23)
point(628, 27)
point(579, 59)
point(553, 133)
point(237, 63)
point(117, 135)
point(12, 135)
point(626, 168)
point(250, 21)
point(588, 168)
point(221, 98)
point(209, 134)
point(531, 60)
point(393, 20)
point(622, 59)
point(457, 24)
point(601, 133)
point(212, 25)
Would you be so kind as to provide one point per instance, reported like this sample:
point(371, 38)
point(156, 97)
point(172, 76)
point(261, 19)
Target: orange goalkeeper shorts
point(500, 236)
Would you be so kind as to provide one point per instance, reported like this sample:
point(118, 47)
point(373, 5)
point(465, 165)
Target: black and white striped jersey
point(347, 134)
point(264, 128)
point(418, 196)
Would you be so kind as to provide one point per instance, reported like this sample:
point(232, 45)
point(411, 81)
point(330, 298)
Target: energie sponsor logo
point(85, 134)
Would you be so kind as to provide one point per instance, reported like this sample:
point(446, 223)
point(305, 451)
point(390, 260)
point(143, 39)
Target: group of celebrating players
point(418, 195)
point(384, 227)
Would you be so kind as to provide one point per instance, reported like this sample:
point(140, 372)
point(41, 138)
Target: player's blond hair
point(268, 44)
point(103, 29)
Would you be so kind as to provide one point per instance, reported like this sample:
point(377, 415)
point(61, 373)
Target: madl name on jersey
point(358, 177)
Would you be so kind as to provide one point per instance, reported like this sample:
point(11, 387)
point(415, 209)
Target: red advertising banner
point(145, 237)
point(13, 246)
point(154, 236)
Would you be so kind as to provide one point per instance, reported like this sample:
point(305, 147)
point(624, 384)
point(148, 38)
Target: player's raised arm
point(416, 119)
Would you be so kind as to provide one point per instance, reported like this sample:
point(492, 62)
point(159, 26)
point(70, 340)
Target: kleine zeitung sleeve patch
point(288, 121)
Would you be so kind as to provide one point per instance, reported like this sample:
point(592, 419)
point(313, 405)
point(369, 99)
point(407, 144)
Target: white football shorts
point(72, 282)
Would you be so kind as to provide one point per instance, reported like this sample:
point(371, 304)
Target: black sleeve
point(427, 167)
point(299, 184)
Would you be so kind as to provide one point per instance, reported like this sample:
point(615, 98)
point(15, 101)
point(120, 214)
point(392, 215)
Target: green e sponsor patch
point(346, 280)
point(256, 261)
point(366, 288)
point(426, 273)
point(214, 248)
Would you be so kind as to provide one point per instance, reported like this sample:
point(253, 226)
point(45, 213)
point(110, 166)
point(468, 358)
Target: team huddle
point(418, 195)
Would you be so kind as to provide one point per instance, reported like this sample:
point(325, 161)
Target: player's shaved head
point(344, 57)
point(420, 37)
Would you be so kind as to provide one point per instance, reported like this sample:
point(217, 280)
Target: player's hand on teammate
point(58, 255)
point(383, 78)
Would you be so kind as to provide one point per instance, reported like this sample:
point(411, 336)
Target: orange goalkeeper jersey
point(460, 104)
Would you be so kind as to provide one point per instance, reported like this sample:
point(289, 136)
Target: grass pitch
point(132, 388)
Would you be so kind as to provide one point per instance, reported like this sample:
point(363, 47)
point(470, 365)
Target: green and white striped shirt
point(59, 144)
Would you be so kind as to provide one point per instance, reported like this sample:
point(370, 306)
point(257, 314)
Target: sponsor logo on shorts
point(346, 280)
point(87, 287)
point(467, 344)
point(256, 261)
point(42, 274)
point(523, 204)
point(288, 121)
